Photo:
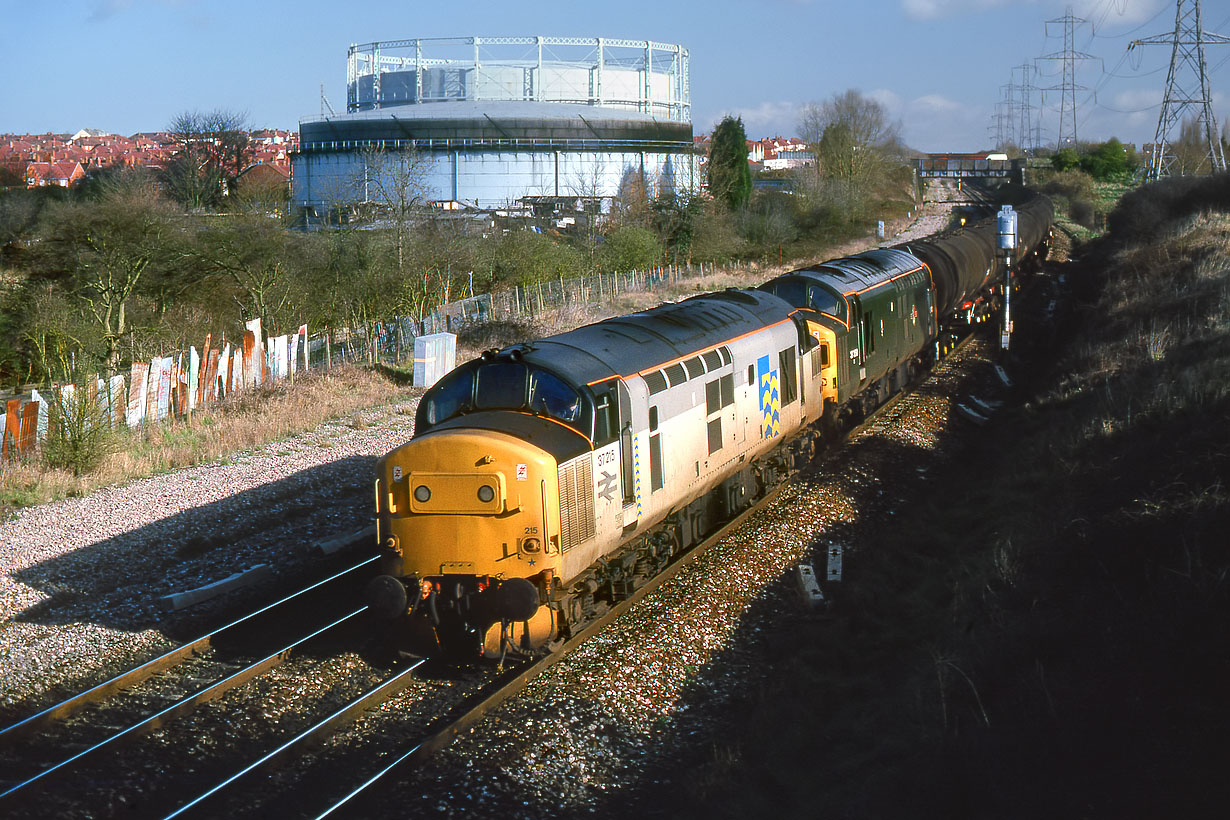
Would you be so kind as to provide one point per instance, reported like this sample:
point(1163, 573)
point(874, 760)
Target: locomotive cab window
point(501, 386)
point(452, 395)
point(826, 301)
point(550, 396)
point(508, 386)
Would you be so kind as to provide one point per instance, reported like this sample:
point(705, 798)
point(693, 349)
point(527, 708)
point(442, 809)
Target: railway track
point(425, 738)
point(153, 694)
point(249, 790)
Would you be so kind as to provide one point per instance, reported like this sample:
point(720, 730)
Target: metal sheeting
point(576, 501)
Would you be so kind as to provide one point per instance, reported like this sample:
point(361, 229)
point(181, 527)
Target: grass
point(260, 417)
point(247, 420)
point(1041, 631)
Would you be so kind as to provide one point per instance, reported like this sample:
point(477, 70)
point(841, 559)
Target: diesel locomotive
point(547, 480)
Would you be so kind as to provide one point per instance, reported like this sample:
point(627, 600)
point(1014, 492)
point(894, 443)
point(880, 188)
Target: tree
point(1108, 160)
point(1065, 159)
point(212, 149)
point(730, 177)
point(394, 186)
point(250, 252)
point(103, 249)
point(675, 218)
point(1190, 152)
point(52, 331)
point(853, 133)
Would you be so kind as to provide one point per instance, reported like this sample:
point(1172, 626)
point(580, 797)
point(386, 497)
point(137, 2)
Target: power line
point(1187, 87)
point(1068, 87)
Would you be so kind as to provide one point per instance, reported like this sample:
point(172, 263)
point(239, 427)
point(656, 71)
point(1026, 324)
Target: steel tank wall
point(495, 178)
point(490, 154)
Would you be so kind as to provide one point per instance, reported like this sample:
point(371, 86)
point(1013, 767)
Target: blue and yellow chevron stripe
point(636, 472)
point(770, 398)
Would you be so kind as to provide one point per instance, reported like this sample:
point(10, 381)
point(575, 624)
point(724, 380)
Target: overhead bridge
point(970, 166)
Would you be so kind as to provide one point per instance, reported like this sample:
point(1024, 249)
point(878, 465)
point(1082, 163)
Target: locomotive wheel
point(534, 634)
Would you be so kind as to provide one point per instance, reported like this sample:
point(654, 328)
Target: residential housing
point(63, 159)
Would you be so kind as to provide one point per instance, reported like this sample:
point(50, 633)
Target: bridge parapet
point(950, 166)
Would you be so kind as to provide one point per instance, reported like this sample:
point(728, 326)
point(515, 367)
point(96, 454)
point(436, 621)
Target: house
point(63, 173)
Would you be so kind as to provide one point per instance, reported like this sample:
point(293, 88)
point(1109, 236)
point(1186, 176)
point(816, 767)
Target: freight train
point(547, 480)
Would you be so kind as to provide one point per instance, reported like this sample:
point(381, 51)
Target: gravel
point(80, 578)
point(617, 714)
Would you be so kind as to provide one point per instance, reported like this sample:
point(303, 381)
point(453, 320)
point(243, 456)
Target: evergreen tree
point(730, 178)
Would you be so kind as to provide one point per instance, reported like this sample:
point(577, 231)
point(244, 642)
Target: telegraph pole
point(1187, 86)
point(1068, 87)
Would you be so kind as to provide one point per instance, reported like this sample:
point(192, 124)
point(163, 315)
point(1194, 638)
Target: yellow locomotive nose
point(468, 501)
point(468, 524)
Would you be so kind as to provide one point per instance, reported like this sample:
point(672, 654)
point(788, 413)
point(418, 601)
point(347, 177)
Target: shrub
point(1082, 213)
point(1072, 183)
point(630, 248)
point(78, 433)
point(1145, 213)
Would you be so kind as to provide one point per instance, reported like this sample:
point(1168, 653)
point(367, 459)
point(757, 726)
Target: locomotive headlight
point(422, 494)
point(531, 545)
point(486, 493)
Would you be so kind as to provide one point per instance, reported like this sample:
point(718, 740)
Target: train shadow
point(125, 582)
point(705, 736)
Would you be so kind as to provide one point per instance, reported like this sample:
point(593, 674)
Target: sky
point(937, 66)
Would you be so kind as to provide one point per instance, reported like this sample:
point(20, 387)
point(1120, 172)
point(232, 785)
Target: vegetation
point(730, 178)
point(133, 264)
point(81, 455)
point(1040, 629)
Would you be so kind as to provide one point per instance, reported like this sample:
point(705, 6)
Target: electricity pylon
point(1025, 108)
point(1068, 87)
point(1187, 86)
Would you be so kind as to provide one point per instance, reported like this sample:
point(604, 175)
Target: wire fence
point(175, 386)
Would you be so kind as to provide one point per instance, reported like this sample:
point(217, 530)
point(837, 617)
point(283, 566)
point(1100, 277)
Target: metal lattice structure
point(632, 75)
point(1026, 130)
point(1187, 88)
point(1067, 88)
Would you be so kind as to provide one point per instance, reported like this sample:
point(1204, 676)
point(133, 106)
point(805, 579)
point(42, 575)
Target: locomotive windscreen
point(505, 385)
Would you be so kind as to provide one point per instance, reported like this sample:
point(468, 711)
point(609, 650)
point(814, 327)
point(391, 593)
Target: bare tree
point(104, 248)
point(394, 186)
point(858, 130)
point(251, 252)
point(212, 149)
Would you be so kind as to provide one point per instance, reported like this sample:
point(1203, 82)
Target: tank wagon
point(547, 480)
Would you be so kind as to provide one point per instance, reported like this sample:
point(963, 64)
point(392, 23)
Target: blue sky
point(937, 65)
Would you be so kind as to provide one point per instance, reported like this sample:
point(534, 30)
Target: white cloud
point(940, 9)
point(935, 123)
point(770, 118)
point(1100, 12)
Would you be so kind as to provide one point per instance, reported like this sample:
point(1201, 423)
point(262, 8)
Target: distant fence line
point(179, 384)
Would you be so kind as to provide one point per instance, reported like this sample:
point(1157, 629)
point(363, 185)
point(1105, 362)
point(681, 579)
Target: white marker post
point(834, 564)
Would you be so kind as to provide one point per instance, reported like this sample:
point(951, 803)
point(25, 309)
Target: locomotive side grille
point(576, 501)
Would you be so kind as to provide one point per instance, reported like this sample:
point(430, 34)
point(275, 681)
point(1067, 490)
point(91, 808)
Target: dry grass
point(247, 420)
point(1044, 633)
